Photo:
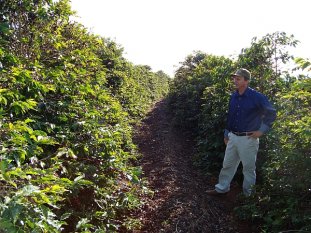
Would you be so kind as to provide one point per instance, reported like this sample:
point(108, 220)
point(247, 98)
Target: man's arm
point(226, 137)
point(268, 117)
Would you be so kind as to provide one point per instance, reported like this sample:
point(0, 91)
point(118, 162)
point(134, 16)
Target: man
point(250, 116)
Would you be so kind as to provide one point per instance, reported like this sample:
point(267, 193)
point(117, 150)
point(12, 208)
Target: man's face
point(239, 82)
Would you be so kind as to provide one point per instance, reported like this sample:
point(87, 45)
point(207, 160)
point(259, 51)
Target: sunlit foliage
point(68, 102)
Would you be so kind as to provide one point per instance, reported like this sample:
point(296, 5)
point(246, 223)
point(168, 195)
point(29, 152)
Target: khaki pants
point(239, 149)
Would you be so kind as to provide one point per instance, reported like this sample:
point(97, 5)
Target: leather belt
point(242, 133)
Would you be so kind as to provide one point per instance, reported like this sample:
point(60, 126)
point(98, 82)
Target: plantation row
point(199, 99)
point(68, 103)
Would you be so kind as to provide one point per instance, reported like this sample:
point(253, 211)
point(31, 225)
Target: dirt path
point(179, 203)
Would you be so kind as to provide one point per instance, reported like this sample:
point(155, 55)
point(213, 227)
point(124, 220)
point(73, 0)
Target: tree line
point(199, 98)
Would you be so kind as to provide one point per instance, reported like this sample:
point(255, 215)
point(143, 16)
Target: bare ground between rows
point(179, 202)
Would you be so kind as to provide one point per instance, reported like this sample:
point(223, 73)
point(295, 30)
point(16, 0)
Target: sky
point(162, 33)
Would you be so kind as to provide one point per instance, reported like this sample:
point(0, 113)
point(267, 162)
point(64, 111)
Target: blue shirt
point(250, 111)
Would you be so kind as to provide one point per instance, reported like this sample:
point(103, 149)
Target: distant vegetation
point(68, 102)
point(199, 100)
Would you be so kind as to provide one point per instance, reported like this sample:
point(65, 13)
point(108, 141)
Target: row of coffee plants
point(199, 99)
point(68, 102)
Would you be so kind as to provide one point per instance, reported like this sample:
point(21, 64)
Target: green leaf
point(19, 156)
point(65, 216)
point(28, 190)
point(79, 178)
point(4, 28)
point(83, 223)
point(15, 211)
point(4, 166)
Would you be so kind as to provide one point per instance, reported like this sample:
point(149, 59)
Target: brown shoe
point(214, 193)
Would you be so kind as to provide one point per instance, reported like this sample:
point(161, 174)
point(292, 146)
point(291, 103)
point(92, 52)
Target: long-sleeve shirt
point(250, 111)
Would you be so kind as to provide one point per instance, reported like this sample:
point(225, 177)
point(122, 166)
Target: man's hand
point(255, 134)
point(226, 140)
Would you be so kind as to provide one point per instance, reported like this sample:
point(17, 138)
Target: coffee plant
point(68, 103)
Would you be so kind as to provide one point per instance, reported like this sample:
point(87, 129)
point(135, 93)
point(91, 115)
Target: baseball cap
point(243, 73)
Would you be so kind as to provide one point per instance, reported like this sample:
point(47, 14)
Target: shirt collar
point(246, 93)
